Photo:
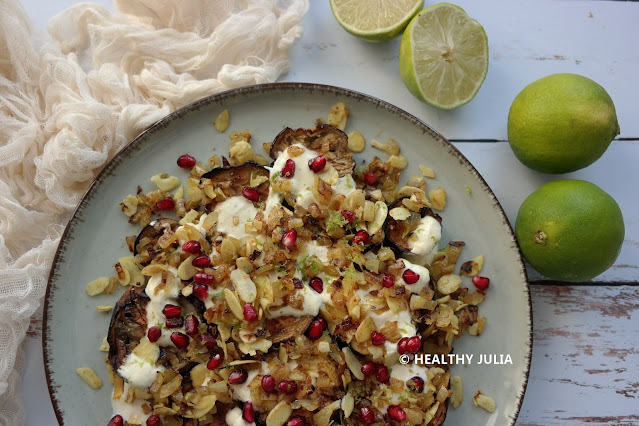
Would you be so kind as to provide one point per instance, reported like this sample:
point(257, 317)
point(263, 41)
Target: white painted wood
point(584, 357)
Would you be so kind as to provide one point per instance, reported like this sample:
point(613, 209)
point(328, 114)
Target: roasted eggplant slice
point(329, 141)
point(233, 179)
point(284, 328)
point(399, 231)
point(128, 325)
point(148, 237)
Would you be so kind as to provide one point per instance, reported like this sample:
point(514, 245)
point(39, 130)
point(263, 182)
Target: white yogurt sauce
point(425, 238)
point(302, 181)
point(424, 277)
point(243, 392)
point(345, 185)
point(231, 208)
point(234, 418)
point(160, 298)
point(138, 372)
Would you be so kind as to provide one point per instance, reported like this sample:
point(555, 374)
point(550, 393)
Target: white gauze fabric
point(70, 103)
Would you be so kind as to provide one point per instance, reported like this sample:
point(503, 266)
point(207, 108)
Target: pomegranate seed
point(295, 421)
point(288, 171)
point(174, 322)
point(154, 420)
point(369, 178)
point(402, 345)
point(317, 164)
point(237, 377)
point(289, 239)
point(209, 341)
point(180, 340)
point(369, 368)
point(410, 276)
point(361, 237)
point(377, 338)
point(396, 413)
point(201, 291)
point(215, 361)
point(367, 414)
point(192, 247)
point(316, 284)
point(248, 413)
point(171, 311)
point(251, 194)
point(481, 283)
point(186, 161)
point(116, 420)
point(250, 314)
point(268, 383)
point(349, 216)
point(202, 278)
point(202, 261)
point(382, 374)
point(191, 324)
point(388, 281)
point(316, 329)
point(416, 384)
point(414, 345)
point(288, 387)
point(165, 204)
point(154, 334)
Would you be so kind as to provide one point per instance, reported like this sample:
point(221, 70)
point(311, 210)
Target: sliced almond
point(234, 303)
point(221, 122)
point(457, 387)
point(186, 270)
point(244, 285)
point(484, 401)
point(88, 375)
point(365, 329)
point(165, 183)
point(279, 414)
point(399, 213)
point(97, 286)
point(323, 416)
point(448, 284)
point(353, 363)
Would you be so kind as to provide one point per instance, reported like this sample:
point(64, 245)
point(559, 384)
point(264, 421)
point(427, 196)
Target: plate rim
point(262, 89)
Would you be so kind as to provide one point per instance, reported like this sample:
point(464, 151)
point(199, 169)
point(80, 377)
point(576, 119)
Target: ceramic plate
point(94, 239)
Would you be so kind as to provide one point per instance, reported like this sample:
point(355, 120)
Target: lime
point(570, 230)
point(561, 123)
point(375, 20)
point(443, 56)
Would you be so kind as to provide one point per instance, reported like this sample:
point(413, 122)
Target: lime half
point(443, 56)
point(375, 20)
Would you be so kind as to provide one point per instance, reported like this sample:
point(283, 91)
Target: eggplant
point(284, 328)
point(398, 232)
point(233, 179)
point(153, 231)
point(324, 138)
point(128, 325)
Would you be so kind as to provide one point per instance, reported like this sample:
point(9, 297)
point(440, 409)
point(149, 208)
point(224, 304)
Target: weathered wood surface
point(584, 366)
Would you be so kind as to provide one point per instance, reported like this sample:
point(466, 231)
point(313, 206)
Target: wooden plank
point(584, 356)
point(512, 182)
point(527, 40)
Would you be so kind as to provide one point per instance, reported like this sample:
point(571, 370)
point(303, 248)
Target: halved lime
point(443, 56)
point(375, 20)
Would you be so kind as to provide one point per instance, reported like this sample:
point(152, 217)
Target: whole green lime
point(561, 123)
point(570, 230)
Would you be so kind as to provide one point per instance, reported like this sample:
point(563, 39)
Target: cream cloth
point(68, 105)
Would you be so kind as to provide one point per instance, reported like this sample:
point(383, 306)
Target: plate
point(94, 239)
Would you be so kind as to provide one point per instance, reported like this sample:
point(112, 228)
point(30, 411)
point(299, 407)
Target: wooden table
point(586, 352)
